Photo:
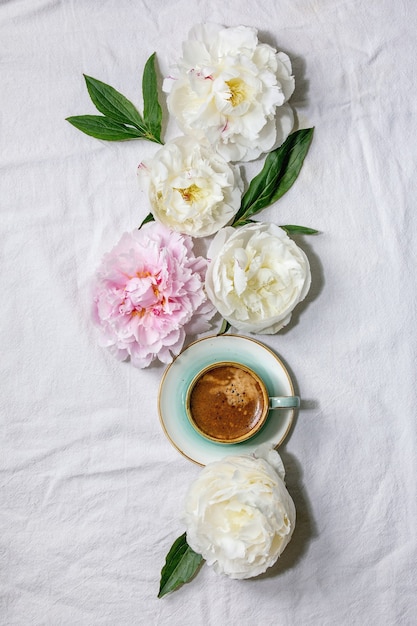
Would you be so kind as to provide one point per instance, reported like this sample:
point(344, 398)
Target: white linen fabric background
point(91, 490)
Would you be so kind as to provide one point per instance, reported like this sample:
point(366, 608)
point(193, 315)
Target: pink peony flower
point(149, 293)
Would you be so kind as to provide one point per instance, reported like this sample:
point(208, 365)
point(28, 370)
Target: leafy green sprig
point(281, 169)
point(181, 565)
point(121, 120)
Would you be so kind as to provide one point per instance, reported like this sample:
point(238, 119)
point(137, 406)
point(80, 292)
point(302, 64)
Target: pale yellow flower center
point(191, 193)
point(238, 91)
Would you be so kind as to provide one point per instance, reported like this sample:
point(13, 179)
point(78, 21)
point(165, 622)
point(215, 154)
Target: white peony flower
point(192, 189)
point(256, 277)
point(239, 515)
point(232, 90)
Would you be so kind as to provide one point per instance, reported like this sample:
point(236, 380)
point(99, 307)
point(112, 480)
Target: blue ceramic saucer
point(179, 374)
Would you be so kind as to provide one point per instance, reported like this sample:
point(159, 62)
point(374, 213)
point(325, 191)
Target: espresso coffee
point(227, 402)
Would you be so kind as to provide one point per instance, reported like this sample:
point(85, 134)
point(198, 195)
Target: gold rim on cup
point(265, 399)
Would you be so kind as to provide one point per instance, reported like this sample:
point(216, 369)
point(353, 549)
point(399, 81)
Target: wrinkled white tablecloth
point(91, 490)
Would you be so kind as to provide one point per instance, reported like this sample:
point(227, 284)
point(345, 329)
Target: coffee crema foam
point(226, 402)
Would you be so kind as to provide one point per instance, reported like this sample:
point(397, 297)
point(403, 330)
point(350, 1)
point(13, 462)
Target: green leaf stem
point(280, 170)
point(224, 327)
point(180, 566)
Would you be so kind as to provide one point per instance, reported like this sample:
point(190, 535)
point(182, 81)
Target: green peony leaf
point(148, 218)
point(152, 112)
point(180, 566)
point(103, 128)
point(280, 170)
point(121, 119)
point(292, 229)
point(113, 104)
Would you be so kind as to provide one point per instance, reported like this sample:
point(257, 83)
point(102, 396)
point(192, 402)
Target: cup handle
point(284, 402)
